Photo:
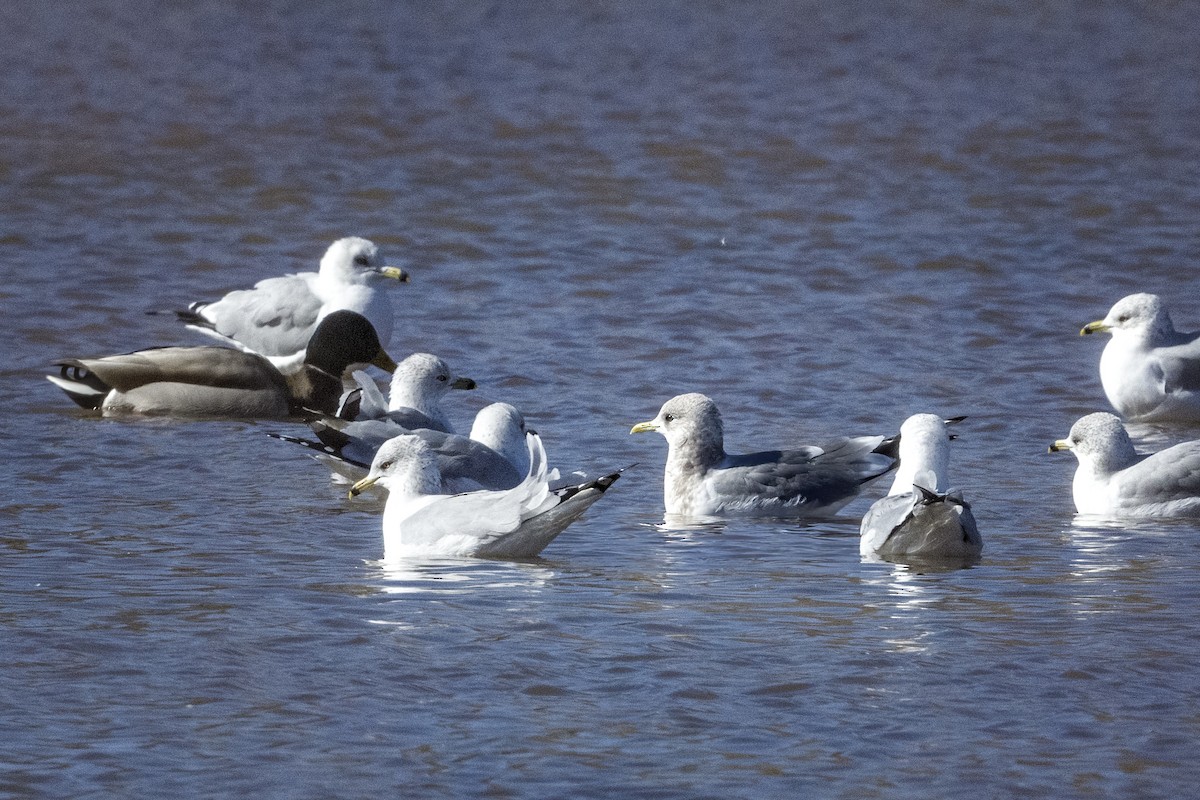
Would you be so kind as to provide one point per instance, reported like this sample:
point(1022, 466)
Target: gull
point(482, 461)
point(502, 428)
point(277, 317)
point(221, 381)
point(703, 480)
point(418, 385)
point(1113, 480)
point(1149, 370)
point(920, 518)
point(419, 519)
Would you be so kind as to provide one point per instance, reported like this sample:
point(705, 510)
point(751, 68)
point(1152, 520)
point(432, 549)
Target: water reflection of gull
point(912, 593)
point(1096, 545)
point(904, 584)
point(458, 575)
point(688, 528)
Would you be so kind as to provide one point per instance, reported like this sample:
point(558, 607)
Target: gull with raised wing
point(419, 519)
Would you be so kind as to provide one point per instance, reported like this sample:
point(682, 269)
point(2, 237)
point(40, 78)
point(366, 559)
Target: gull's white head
point(924, 454)
point(405, 466)
point(502, 428)
point(1140, 317)
point(357, 260)
point(691, 425)
point(1100, 442)
point(421, 381)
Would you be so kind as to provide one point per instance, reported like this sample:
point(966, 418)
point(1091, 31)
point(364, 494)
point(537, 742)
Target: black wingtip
point(606, 481)
point(600, 484)
point(190, 317)
point(351, 405)
point(889, 447)
point(927, 496)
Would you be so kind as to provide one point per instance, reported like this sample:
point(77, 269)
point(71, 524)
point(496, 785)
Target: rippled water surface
point(827, 216)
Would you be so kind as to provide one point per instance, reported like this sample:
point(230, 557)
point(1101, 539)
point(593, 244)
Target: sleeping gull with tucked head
point(1149, 370)
point(1113, 480)
point(518, 523)
point(223, 382)
point(920, 518)
point(484, 460)
point(278, 316)
point(703, 480)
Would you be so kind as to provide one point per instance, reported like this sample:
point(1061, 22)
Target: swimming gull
point(417, 388)
point(464, 463)
point(703, 480)
point(1149, 370)
point(419, 384)
point(277, 317)
point(921, 518)
point(221, 381)
point(1112, 479)
point(517, 523)
point(501, 427)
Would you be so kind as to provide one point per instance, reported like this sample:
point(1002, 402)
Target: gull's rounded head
point(924, 454)
point(689, 418)
point(422, 379)
point(403, 465)
point(502, 428)
point(1099, 439)
point(354, 260)
point(919, 426)
point(1139, 314)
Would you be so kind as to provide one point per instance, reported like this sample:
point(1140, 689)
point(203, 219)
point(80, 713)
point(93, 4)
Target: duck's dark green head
point(345, 338)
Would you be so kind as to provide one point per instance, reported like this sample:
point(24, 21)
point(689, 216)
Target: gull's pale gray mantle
point(278, 316)
point(701, 479)
point(464, 463)
point(1149, 370)
point(1113, 480)
point(223, 382)
point(517, 523)
point(921, 519)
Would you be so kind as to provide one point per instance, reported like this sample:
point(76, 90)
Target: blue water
point(825, 217)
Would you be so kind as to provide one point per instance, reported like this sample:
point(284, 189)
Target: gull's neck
point(924, 460)
point(404, 395)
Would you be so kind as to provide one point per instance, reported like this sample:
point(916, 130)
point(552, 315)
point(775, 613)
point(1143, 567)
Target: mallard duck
point(221, 381)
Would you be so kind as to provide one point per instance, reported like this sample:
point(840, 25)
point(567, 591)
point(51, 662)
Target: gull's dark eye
point(668, 417)
point(362, 260)
point(386, 465)
point(1123, 318)
point(443, 378)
